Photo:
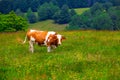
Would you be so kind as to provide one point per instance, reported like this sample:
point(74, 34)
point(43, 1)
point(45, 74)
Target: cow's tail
point(25, 39)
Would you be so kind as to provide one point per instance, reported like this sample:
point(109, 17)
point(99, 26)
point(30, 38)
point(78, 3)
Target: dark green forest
point(102, 15)
point(7, 5)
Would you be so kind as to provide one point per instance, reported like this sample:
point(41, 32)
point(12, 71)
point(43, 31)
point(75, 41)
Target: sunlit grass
point(48, 25)
point(81, 10)
point(84, 55)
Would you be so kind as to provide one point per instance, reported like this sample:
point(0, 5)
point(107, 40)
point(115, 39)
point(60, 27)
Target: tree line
point(99, 17)
point(48, 11)
point(7, 5)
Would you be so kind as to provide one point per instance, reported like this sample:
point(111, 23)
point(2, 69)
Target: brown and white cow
point(48, 38)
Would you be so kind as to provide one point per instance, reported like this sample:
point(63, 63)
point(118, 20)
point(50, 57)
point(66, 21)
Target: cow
point(51, 39)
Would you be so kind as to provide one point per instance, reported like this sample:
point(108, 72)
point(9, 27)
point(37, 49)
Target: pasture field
point(84, 55)
point(81, 10)
point(48, 25)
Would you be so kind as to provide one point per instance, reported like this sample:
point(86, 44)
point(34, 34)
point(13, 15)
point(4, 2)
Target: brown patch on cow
point(52, 40)
point(39, 36)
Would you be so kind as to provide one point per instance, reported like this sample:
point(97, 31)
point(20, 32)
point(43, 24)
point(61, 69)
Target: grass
point(84, 55)
point(48, 25)
point(81, 10)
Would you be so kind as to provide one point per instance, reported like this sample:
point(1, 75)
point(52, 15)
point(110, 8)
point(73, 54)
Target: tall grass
point(84, 55)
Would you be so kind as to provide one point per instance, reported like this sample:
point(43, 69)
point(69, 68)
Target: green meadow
point(84, 55)
point(81, 10)
point(48, 25)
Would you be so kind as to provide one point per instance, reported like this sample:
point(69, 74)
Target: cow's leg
point(31, 46)
point(54, 46)
point(48, 48)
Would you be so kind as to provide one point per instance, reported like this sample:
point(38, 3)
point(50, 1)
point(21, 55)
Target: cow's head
point(52, 39)
point(60, 38)
point(55, 39)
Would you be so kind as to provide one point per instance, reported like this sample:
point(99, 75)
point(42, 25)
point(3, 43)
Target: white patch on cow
point(48, 34)
point(48, 48)
point(59, 38)
point(41, 31)
point(32, 39)
point(32, 30)
point(48, 40)
point(31, 46)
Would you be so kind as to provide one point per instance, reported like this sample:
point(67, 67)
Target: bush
point(12, 22)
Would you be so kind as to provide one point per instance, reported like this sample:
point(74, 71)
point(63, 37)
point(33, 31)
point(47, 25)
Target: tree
point(47, 10)
point(101, 17)
point(62, 16)
point(19, 13)
point(23, 5)
point(115, 2)
point(74, 23)
point(79, 22)
point(31, 16)
point(114, 14)
point(34, 5)
point(5, 6)
point(96, 7)
point(54, 2)
point(107, 5)
point(102, 22)
point(72, 12)
point(86, 19)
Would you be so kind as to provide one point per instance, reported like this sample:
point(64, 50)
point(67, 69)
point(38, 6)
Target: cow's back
point(39, 36)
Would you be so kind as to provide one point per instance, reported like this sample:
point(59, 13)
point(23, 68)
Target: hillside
point(50, 25)
point(81, 10)
point(84, 55)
